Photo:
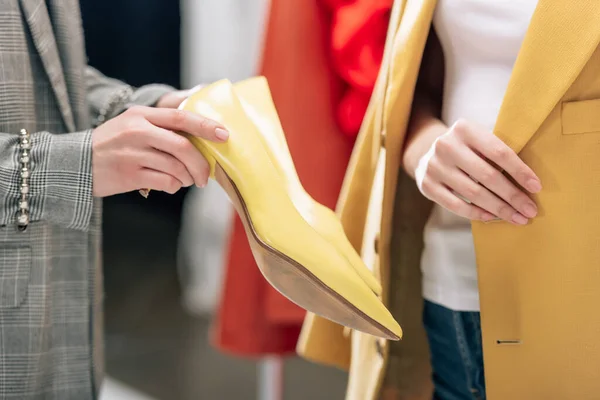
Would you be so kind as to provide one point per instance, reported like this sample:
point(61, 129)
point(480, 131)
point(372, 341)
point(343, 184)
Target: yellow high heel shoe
point(257, 102)
point(292, 256)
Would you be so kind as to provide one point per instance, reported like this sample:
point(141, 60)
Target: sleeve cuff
point(122, 97)
point(150, 94)
point(61, 188)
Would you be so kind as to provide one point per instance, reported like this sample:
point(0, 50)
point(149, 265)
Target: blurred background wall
point(163, 256)
point(221, 39)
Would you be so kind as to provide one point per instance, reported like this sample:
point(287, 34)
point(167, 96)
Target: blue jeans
point(456, 353)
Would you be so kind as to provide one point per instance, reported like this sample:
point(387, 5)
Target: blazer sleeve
point(60, 176)
point(109, 97)
point(60, 179)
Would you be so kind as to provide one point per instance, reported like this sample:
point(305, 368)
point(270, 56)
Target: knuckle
point(204, 124)
point(476, 214)
point(473, 192)
point(184, 176)
point(204, 173)
point(523, 174)
point(443, 145)
point(504, 211)
point(180, 169)
point(516, 197)
point(456, 205)
point(182, 144)
point(434, 167)
point(490, 175)
point(206, 128)
point(179, 118)
point(172, 185)
point(461, 126)
point(500, 152)
point(132, 127)
point(427, 186)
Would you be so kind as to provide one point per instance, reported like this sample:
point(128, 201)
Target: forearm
point(109, 97)
point(425, 125)
point(424, 128)
point(59, 181)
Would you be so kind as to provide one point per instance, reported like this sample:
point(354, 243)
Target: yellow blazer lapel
point(560, 40)
point(379, 92)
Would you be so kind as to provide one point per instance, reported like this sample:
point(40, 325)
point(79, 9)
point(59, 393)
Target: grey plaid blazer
point(50, 275)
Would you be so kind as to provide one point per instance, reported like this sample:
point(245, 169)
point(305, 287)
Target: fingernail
point(534, 186)
point(519, 219)
point(530, 210)
point(221, 134)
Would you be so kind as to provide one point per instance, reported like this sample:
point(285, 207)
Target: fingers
point(183, 121)
point(159, 181)
point(183, 150)
point(488, 176)
point(166, 163)
point(478, 195)
point(491, 147)
point(461, 167)
point(444, 197)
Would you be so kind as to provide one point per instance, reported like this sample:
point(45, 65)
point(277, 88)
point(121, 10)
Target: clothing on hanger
point(358, 32)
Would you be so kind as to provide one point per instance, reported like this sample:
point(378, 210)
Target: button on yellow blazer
point(539, 284)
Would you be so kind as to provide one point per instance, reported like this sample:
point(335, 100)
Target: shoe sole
point(296, 282)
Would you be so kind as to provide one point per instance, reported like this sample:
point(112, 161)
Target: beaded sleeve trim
point(24, 148)
point(121, 96)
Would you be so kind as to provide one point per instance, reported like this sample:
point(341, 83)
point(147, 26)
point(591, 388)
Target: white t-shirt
point(481, 40)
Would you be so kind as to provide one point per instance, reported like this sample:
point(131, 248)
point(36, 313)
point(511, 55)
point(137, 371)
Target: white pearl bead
point(23, 219)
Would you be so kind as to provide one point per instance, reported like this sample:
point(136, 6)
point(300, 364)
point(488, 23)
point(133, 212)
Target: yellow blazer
point(539, 284)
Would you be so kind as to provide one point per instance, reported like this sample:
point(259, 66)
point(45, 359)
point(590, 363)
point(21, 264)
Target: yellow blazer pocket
point(15, 269)
point(581, 117)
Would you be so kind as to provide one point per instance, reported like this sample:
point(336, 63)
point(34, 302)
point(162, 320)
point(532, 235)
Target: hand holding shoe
point(140, 149)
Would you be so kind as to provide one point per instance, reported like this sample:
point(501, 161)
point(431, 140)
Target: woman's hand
point(140, 149)
point(461, 171)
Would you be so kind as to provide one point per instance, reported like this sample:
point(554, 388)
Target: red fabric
point(254, 319)
point(358, 32)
